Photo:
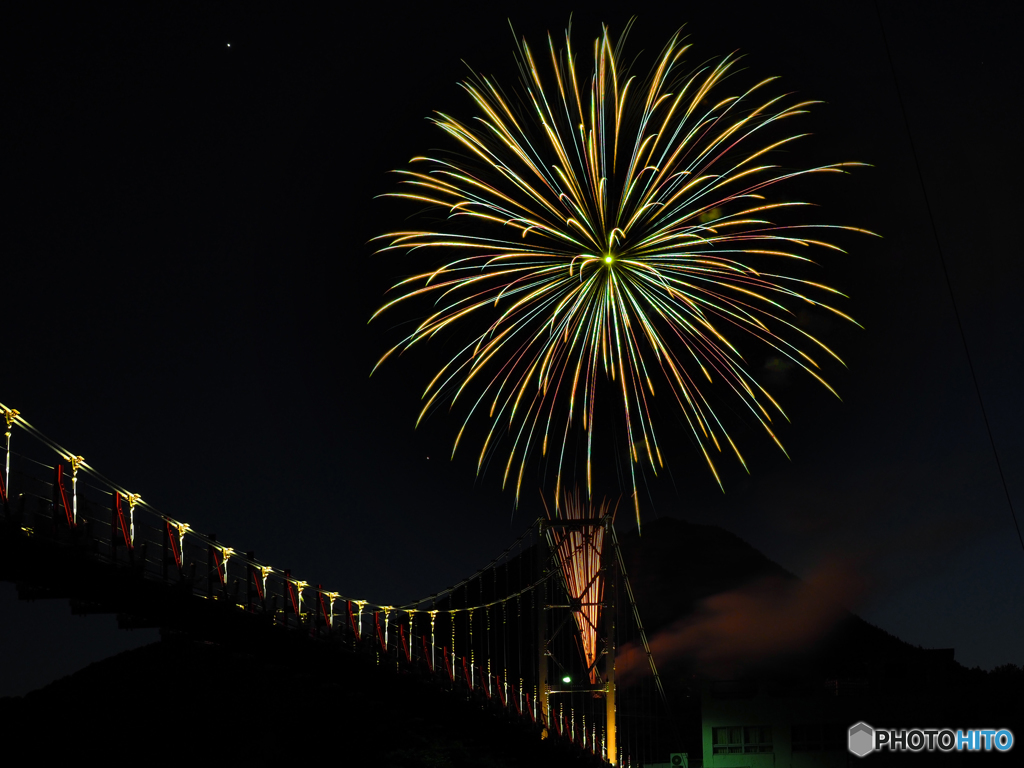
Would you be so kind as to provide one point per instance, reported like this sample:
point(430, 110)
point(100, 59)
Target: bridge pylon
point(584, 590)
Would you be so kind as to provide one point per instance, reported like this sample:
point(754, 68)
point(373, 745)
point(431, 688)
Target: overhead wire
point(949, 283)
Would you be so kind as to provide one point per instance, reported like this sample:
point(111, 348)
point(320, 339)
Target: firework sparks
point(608, 233)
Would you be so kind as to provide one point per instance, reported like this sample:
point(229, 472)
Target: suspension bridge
point(532, 636)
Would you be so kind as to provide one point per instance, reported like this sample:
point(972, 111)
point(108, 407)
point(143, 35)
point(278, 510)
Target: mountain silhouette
point(713, 608)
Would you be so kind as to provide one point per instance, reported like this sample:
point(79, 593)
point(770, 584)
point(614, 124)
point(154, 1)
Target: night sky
point(187, 279)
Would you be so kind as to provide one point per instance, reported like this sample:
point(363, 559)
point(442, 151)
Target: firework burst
point(611, 237)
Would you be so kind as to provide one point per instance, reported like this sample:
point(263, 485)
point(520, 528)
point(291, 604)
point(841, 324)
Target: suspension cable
point(636, 616)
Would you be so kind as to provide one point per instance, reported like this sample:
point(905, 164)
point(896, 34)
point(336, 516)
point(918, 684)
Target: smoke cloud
point(765, 620)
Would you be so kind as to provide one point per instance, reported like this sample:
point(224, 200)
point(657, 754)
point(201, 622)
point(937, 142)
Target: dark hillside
point(282, 700)
point(685, 573)
point(713, 607)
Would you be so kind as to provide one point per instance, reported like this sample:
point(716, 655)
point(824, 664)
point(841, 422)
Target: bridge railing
point(54, 497)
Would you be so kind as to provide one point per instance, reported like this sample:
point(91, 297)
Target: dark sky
point(186, 283)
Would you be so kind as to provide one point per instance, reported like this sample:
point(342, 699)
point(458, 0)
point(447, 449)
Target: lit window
point(736, 739)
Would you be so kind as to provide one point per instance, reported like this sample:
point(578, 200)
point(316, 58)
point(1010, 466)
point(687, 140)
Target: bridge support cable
point(9, 415)
point(649, 717)
point(636, 617)
point(118, 525)
point(478, 638)
point(577, 633)
point(76, 461)
point(60, 498)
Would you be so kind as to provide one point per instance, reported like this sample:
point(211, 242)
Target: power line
point(945, 273)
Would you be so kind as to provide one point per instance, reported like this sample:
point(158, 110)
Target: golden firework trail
point(611, 235)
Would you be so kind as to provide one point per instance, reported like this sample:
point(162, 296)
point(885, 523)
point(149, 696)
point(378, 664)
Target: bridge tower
point(582, 549)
